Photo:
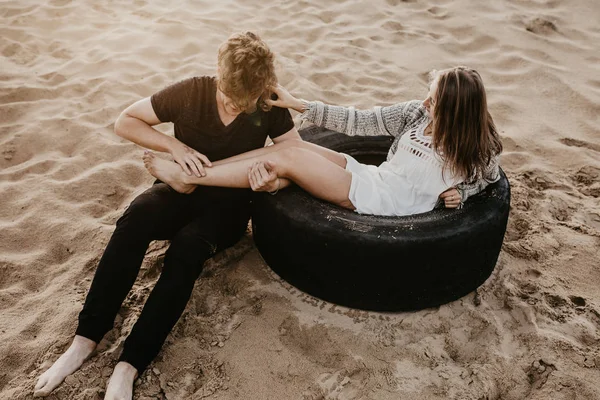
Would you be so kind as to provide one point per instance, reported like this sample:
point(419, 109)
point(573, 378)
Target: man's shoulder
point(191, 84)
point(278, 110)
point(203, 79)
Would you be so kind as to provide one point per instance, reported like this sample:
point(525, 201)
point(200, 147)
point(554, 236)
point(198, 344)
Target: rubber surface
point(379, 263)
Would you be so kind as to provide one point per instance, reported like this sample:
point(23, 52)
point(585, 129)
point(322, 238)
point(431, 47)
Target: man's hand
point(451, 198)
point(189, 159)
point(262, 177)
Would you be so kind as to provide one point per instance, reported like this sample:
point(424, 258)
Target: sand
point(531, 331)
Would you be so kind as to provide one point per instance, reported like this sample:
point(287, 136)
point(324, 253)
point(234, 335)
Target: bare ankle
point(82, 342)
point(186, 179)
point(126, 369)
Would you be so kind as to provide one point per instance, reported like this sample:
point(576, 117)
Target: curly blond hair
point(246, 70)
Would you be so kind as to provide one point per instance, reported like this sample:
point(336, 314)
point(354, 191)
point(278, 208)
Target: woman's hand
point(284, 99)
point(451, 198)
point(189, 159)
point(262, 177)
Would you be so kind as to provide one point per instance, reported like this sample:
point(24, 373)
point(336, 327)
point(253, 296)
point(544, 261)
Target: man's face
point(232, 109)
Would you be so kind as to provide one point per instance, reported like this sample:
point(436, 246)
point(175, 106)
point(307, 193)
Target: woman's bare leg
point(331, 155)
point(313, 172)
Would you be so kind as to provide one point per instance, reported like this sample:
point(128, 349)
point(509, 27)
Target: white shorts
point(369, 194)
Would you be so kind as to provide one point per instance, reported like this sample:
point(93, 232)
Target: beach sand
point(532, 331)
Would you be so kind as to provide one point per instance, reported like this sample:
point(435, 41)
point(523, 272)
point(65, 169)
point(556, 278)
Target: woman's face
point(430, 101)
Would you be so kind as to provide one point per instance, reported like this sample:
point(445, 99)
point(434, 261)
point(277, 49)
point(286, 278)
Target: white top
point(414, 174)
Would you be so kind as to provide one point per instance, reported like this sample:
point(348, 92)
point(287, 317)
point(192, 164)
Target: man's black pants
point(198, 225)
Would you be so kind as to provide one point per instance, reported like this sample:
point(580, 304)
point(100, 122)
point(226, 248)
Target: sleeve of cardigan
point(490, 175)
point(378, 121)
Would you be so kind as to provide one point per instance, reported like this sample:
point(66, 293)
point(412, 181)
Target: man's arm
point(291, 134)
point(135, 124)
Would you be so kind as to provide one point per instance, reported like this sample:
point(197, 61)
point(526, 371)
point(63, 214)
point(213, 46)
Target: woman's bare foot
point(69, 362)
point(120, 385)
point(168, 172)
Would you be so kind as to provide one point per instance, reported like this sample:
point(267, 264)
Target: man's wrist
point(171, 144)
point(274, 192)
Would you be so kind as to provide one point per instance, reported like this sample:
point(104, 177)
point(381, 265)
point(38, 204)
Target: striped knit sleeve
point(490, 175)
point(378, 121)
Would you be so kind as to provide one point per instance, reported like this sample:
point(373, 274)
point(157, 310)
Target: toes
point(45, 386)
point(42, 392)
point(41, 383)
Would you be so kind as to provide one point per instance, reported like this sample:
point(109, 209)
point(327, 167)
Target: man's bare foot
point(120, 385)
point(168, 172)
point(69, 362)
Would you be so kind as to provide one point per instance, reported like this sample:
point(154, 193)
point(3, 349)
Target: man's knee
point(144, 208)
point(188, 252)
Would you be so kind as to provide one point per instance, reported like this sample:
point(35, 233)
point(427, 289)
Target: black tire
point(379, 263)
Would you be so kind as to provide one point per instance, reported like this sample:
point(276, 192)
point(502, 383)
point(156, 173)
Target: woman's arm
point(378, 121)
point(490, 175)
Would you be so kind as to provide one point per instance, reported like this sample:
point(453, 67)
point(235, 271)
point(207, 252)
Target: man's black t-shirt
point(191, 106)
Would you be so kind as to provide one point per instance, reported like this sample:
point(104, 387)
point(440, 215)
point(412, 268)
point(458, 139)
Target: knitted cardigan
point(394, 120)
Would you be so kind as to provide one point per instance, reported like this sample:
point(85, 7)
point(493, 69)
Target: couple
point(445, 149)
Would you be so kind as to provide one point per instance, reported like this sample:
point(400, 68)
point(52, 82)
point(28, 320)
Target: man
point(214, 118)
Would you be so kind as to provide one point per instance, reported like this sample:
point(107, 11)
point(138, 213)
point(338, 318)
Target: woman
point(445, 147)
point(214, 118)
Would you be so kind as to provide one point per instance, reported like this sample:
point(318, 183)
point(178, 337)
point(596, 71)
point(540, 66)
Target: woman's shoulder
point(408, 111)
point(415, 108)
point(411, 108)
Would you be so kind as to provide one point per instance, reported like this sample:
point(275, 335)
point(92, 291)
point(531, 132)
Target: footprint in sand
point(587, 180)
point(580, 143)
point(518, 228)
point(533, 273)
point(538, 373)
point(541, 26)
point(396, 2)
point(555, 301)
point(438, 12)
point(578, 301)
point(9, 151)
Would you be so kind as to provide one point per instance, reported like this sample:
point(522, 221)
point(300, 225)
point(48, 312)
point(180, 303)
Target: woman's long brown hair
point(464, 133)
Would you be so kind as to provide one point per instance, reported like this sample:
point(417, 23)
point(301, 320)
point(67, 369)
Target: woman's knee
point(292, 155)
point(292, 144)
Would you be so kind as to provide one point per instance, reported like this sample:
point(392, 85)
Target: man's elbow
point(120, 124)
